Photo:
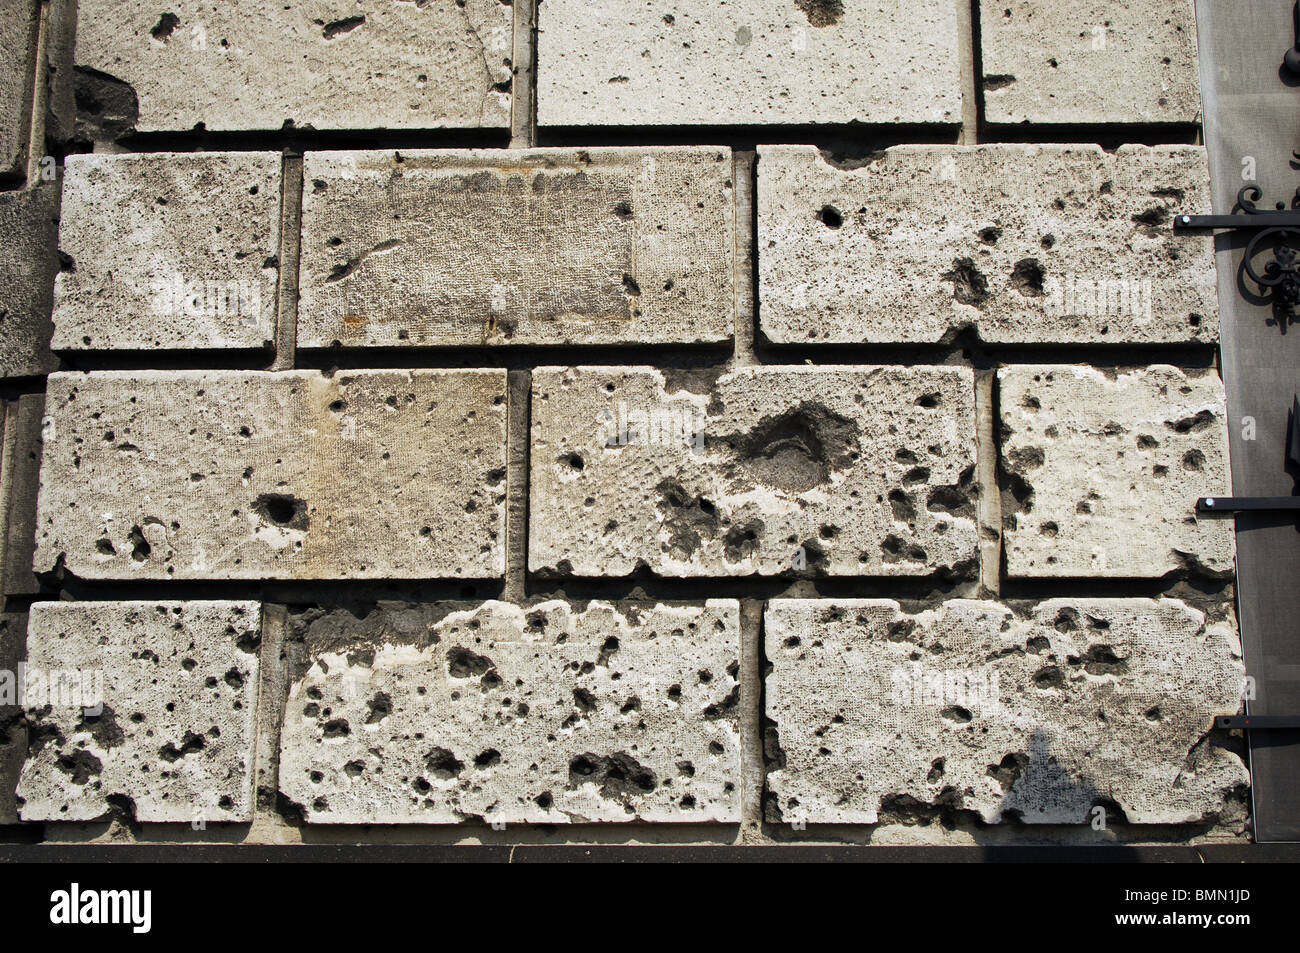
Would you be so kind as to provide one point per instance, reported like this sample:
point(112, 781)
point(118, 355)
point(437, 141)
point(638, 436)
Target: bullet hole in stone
point(607, 651)
point(338, 406)
point(442, 764)
point(544, 800)
point(140, 548)
point(687, 518)
point(234, 678)
point(1154, 714)
point(1193, 424)
point(282, 509)
point(797, 449)
point(340, 27)
point(1049, 529)
point(715, 747)
point(1194, 320)
point(675, 692)
point(957, 713)
point(320, 805)
point(337, 728)
point(970, 286)
point(1101, 660)
point(105, 546)
point(1049, 676)
point(894, 550)
point(585, 701)
point(905, 456)
point(741, 541)
point(916, 475)
point(1028, 277)
point(1009, 769)
point(379, 708)
point(190, 744)
point(830, 216)
point(80, 766)
point(462, 663)
point(936, 771)
point(994, 81)
point(573, 461)
point(632, 704)
point(316, 777)
point(1193, 460)
point(488, 758)
point(1152, 218)
point(724, 708)
point(990, 235)
point(929, 401)
point(163, 28)
point(623, 210)
point(619, 776)
point(821, 13)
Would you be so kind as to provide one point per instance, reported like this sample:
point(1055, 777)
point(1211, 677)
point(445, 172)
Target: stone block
point(968, 708)
point(626, 63)
point(29, 227)
point(18, 24)
point(260, 475)
point(841, 471)
point(549, 714)
point(168, 250)
point(169, 733)
point(1019, 244)
point(1103, 470)
point(594, 246)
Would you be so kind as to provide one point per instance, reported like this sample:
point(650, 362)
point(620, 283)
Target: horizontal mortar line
point(849, 138)
point(667, 356)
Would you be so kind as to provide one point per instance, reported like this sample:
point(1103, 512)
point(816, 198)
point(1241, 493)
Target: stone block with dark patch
point(844, 471)
point(974, 711)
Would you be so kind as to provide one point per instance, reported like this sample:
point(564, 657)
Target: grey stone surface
point(61, 107)
point(168, 250)
point(522, 247)
point(29, 227)
point(292, 475)
point(174, 736)
point(22, 451)
point(841, 471)
point(1019, 243)
point(1090, 61)
point(18, 20)
point(880, 715)
point(543, 714)
point(246, 64)
point(1104, 468)
point(628, 63)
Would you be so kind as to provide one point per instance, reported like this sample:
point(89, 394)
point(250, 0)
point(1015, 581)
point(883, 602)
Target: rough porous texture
point(1095, 61)
point(1102, 471)
point(1015, 243)
point(510, 714)
point(1040, 716)
point(366, 64)
point(170, 736)
point(29, 223)
point(593, 246)
point(253, 475)
point(625, 62)
point(181, 249)
point(767, 471)
point(17, 70)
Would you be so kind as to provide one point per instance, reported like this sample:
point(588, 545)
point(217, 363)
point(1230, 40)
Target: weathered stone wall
point(608, 421)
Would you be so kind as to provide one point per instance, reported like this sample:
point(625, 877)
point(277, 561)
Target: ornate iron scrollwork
point(1275, 231)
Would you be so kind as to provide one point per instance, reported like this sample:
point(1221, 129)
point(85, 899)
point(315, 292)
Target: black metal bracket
point(1277, 230)
point(1257, 722)
point(1208, 505)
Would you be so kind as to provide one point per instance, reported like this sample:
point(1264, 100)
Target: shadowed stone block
point(1016, 243)
point(881, 715)
point(170, 734)
point(500, 713)
point(257, 475)
point(595, 246)
point(1103, 470)
point(18, 22)
point(840, 471)
point(29, 226)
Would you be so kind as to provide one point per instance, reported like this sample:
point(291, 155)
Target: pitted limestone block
point(543, 714)
point(595, 246)
point(168, 250)
point(1089, 61)
point(839, 471)
point(246, 64)
point(879, 715)
point(150, 704)
point(1018, 243)
point(259, 475)
point(29, 227)
point(1104, 469)
point(624, 62)
point(18, 23)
